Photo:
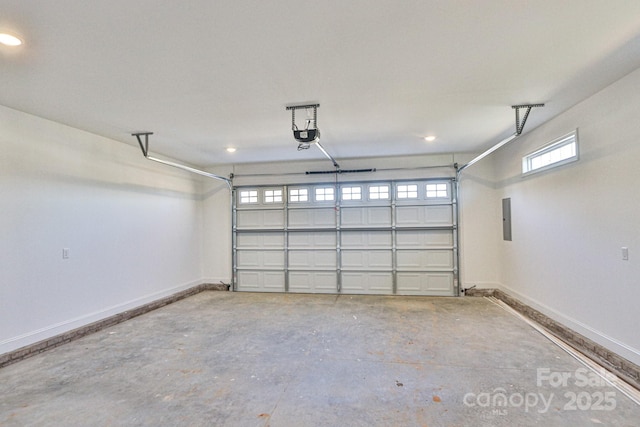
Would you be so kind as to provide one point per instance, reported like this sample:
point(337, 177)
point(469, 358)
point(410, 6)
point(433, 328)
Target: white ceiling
point(205, 74)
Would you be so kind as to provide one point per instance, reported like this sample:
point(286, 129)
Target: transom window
point(273, 196)
point(298, 195)
point(407, 191)
point(351, 193)
point(325, 194)
point(436, 190)
point(249, 196)
point(559, 152)
point(378, 192)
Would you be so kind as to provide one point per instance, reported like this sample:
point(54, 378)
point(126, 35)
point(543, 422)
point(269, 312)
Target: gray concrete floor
point(242, 359)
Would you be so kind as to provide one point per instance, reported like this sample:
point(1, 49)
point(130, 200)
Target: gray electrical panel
point(506, 219)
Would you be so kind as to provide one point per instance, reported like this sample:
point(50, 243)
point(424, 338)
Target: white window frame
point(434, 190)
point(325, 194)
point(298, 195)
point(351, 193)
point(272, 196)
point(248, 197)
point(528, 166)
point(379, 192)
point(408, 190)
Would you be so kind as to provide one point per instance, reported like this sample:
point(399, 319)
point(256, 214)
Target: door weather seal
point(144, 146)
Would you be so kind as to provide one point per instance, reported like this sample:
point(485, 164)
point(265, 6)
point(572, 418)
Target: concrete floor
point(242, 359)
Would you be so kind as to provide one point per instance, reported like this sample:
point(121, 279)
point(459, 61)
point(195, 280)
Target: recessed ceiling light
point(9, 39)
point(231, 150)
point(429, 138)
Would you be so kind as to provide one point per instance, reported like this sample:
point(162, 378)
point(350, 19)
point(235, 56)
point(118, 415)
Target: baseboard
point(128, 311)
point(216, 281)
point(621, 366)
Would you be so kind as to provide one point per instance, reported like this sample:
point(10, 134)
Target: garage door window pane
point(273, 196)
point(298, 195)
point(409, 191)
point(249, 196)
point(325, 194)
point(379, 192)
point(436, 191)
point(351, 193)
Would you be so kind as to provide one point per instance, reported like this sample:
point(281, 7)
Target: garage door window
point(379, 192)
point(298, 195)
point(249, 196)
point(273, 196)
point(437, 191)
point(408, 191)
point(351, 193)
point(325, 194)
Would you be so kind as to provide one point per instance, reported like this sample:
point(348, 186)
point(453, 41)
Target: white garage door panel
point(315, 240)
point(425, 238)
point(366, 260)
point(313, 282)
point(260, 219)
point(312, 260)
point(367, 283)
point(366, 239)
point(363, 216)
point(425, 284)
point(261, 281)
point(260, 259)
point(312, 218)
point(424, 259)
point(260, 240)
point(439, 215)
point(394, 237)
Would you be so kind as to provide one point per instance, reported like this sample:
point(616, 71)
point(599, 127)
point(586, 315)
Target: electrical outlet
point(625, 253)
point(65, 253)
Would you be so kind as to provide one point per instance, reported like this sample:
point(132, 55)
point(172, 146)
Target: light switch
point(625, 253)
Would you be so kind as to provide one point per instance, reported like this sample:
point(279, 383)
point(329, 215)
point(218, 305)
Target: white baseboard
point(620, 348)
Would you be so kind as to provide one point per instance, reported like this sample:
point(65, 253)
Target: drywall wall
point(479, 230)
point(569, 224)
point(133, 229)
point(216, 237)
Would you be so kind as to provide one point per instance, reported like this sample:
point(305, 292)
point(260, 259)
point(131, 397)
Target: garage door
point(394, 237)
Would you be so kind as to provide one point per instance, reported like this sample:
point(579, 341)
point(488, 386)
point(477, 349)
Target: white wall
point(570, 223)
point(133, 229)
point(479, 230)
point(216, 252)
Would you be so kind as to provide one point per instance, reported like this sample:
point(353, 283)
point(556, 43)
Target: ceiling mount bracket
point(144, 146)
point(519, 129)
point(520, 125)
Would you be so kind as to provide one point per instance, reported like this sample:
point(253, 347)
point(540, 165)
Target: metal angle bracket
point(519, 124)
point(144, 147)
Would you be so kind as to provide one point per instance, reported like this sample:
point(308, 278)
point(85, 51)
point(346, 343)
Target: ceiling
point(386, 73)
